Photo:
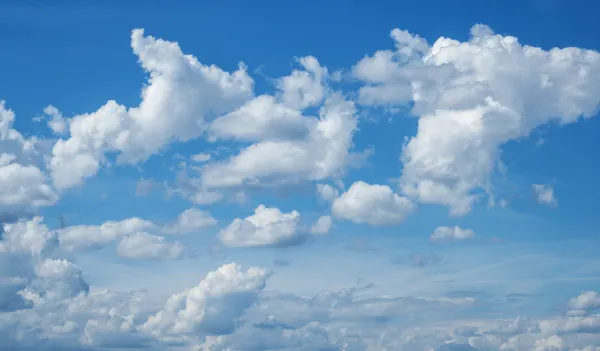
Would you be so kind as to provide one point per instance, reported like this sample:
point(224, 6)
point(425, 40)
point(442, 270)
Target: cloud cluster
point(471, 98)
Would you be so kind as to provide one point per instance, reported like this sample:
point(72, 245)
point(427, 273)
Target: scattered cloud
point(544, 194)
point(455, 233)
point(372, 204)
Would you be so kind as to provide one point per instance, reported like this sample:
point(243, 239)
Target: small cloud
point(422, 260)
point(451, 234)
point(201, 157)
point(544, 194)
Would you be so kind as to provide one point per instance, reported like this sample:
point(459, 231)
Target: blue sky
point(425, 164)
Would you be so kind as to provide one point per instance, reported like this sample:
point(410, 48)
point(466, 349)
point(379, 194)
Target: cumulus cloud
point(455, 233)
point(472, 97)
point(322, 152)
point(25, 188)
point(268, 226)
point(211, 307)
point(544, 194)
point(179, 87)
point(134, 232)
point(372, 204)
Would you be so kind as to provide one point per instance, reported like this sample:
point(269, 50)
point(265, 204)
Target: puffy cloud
point(190, 221)
point(373, 204)
point(455, 233)
point(472, 97)
point(262, 118)
point(544, 194)
point(135, 231)
point(268, 226)
point(322, 225)
point(142, 245)
point(180, 93)
point(304, 88)
point(587, 300)
point(323, 151)
point(24, 187)
point(210, 308)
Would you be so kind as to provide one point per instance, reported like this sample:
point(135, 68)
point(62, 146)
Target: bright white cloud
point(544, 194)
point(451, 234)
point(268, 226)
point(323, 152)
point(24, 186)
point(211, 307)
point(179, 87)
point(587, 300)
point(472, 97)
point(372, 204)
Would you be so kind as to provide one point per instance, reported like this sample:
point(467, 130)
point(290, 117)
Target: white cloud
point(57, 122)
point(24, 187)
point(201, 157)
point(587, 300)
point(190, 221)
point(304, 88)
point(262, 118)
point(544, 194)
point(322, 225)
point(323, 152)
point(268, 226)
point(142, 245)
point(179, 87)
point(84, 237)
point(472, 97)
point(451, 234)
point(373, 204)
point(211, 307)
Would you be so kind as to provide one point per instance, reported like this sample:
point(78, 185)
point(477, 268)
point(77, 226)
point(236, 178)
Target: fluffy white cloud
point(24, 186)
point(472, 97)
point(210, 308)
point(544, 194)
point(180, 93)
point(322, 225)
point(587, 300)
point(373, 204)
point(262, 118)
point(268, 226)
point(451, 234)
point(304, 88)
point(322, 153)
point(190, 221)
point(142, 245)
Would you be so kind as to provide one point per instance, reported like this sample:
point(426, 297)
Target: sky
point(269, 175)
